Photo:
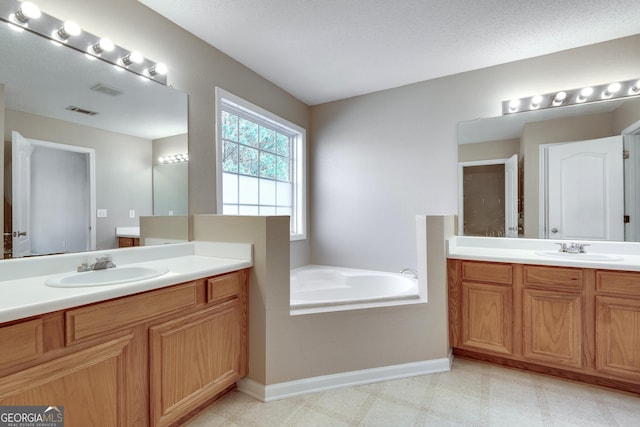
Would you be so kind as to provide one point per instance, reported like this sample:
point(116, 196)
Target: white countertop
point(23, 292)
point(623, 255)
point(128, 232)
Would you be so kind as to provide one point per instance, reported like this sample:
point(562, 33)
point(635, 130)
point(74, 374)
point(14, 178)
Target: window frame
point(299, 170)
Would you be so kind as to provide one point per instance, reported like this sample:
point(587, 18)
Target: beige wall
point(286, 348)
point(123, 167)
point(380, 159)
point(195, 68)
point(176, 144)
point(488, 150)
point(159, 229)
point(548, 132)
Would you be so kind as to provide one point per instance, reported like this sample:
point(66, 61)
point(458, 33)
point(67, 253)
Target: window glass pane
point(229, 126)
point(267, 192)
point(229, 188)
point(249, 210)
point(230, 157)
point(282, 168)
point(283, 193)
point(229, 209)
point(282, 145)
point(248, 133)
point(283, 211)
point(267, 165)
point(248, 161)
point(267, 210)
point(267, 139)
point(248, 190)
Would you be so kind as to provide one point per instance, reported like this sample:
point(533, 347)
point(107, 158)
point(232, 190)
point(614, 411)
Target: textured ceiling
point(323, 50)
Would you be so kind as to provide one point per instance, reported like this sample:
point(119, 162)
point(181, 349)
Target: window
point(260, 163)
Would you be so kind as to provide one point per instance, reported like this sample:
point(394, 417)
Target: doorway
point(52, 200)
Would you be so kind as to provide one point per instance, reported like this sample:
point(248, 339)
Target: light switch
point(102, 213)
point(132, 213)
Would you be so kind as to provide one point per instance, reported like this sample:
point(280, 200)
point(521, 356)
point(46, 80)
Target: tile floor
point(471, 394)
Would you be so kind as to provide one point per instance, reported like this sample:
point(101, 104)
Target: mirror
point(59, 95)
point(531, 136)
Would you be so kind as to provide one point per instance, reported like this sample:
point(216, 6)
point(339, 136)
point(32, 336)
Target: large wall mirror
point(89, 137)
point(571, 180)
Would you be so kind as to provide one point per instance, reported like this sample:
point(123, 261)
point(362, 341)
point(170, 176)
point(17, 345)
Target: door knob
point(19, 233)
point(554, 230)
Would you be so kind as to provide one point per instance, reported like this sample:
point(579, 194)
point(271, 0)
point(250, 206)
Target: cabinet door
point(88, 384)
point(552, 327)
point(487, 317)
point(618, 337)
point(194, 358)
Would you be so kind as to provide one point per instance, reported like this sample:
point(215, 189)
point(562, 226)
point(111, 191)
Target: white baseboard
point(345, 379)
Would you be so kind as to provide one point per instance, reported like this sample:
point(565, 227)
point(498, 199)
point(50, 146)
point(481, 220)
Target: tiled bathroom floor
point(471, 394)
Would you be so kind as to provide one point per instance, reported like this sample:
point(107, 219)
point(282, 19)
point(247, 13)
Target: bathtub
point(316, 288)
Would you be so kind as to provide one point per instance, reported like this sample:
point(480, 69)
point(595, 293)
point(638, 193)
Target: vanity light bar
point(604, 92)
point(174, 158)
point(27, 16)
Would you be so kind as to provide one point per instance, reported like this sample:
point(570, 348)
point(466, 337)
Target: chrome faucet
point(411, 271)
point(101, 263)
point(574, 248)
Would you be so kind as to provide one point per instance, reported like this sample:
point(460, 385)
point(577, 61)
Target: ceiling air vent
point(106, 90)
point(81, 111)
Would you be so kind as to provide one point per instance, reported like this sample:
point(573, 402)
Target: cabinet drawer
point(22, 342)
point(487, 272)
point(557, 278)
point(614, 282)
point(97, 319)
point(225, 286)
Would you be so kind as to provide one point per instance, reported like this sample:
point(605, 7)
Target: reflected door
point(21, 150)
point(584, 195)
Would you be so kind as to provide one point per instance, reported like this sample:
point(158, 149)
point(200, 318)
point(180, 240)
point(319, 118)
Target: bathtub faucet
point(411, 271)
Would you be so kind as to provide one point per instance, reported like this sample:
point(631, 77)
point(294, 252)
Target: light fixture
point(27, 12)
point(607, 91)
point(133, 57)
point(25, 15)
point(68, 30)
point(103, 45)
point(174, 158)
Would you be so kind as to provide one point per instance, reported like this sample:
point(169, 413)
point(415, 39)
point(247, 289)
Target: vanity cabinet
point(152, 358)
point(579, 323)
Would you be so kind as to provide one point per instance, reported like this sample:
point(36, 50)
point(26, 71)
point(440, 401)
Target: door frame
point(461, 166)
point(92, 179)
point(632, 192)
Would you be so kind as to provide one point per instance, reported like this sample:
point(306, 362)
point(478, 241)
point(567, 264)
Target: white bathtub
point(315, 286)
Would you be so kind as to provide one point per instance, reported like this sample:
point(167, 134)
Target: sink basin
point(584, 257)
point(110, 276)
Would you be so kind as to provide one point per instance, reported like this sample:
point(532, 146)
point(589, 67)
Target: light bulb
point(559, 98)
point(27, 12)
point(134, 57)
point(103, 45)
point(535, 102)
point(69, 29)
point(635, 88)
point(514, 104)
point(159, 68)
point(584, 94)
point(611, 90)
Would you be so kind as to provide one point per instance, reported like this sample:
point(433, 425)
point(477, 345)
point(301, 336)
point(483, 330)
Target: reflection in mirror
point(55, 95)
point(572, 180)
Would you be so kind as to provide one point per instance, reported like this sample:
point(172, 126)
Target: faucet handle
point(581, 247)
point(563, 247)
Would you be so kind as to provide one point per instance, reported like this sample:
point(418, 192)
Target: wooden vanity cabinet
point(618, 324)
point(578, 323)
point(147, 359)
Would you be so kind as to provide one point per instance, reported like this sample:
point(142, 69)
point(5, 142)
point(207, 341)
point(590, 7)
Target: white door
point(21, 150)
point(585, 190)
point(511, 196)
